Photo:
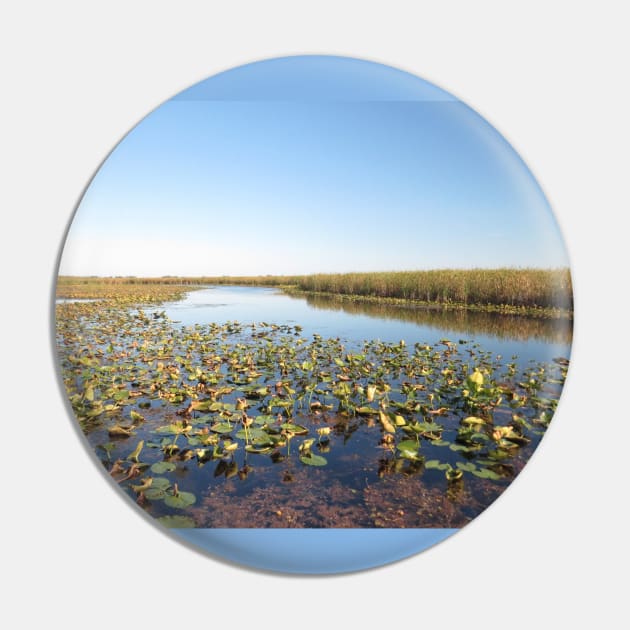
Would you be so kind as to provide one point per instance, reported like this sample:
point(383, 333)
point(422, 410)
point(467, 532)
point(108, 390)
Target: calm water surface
point(529, 339)
point(364, 483)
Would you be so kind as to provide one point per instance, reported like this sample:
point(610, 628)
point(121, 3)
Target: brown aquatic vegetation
point(528, 288)
point(309, 500)
point(256, 425)
point(508, 288)
point(119, 289)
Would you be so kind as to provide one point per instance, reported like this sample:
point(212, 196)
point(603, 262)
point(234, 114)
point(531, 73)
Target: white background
point(551, 76)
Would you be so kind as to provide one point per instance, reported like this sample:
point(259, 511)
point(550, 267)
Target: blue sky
point(284, 182)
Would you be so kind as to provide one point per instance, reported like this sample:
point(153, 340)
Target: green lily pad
point(473, 421)
point(251, 433)
point(428, 427)
point(118, 359)
point(439, 442)
point(156, 492)
point(435, 463)
point(264, 420)
point(294, 428)
point(466, 466)
point(180, 500)
point(161, 467)
point(250, 448)
point(313, 460)
point(264, 440)
point(176, 521)
point(408, 449)
point(222, 427)
point(486, 473)
point(409, 445)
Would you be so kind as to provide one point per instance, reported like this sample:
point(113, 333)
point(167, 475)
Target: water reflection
point(528, 339)
point(468, 323)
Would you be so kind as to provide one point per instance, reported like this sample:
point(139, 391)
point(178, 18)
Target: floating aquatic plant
point(162, 401)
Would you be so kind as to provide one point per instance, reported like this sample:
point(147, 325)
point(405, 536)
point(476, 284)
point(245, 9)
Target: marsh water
point(529, 339)
point(140, 362)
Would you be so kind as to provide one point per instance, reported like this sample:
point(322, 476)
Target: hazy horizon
point(316, 273)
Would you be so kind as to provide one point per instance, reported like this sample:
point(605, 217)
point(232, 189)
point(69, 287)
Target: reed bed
point(121, 290)
point(511, 288)
point(532, 288)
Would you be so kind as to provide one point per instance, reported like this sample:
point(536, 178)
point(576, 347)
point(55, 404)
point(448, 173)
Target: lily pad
point(439, 442)
point(180, 500)
point(296, 429)
point(408, 449)
point(251, 433)
point(155, 494)
point(434, 463)
point(264, 419)
point(176, 521)
point(222, 427)
point(466, 466)
point(161, 482)
point(486, 473)
point(313, 460)
point(250, 448)
point(473, 421)
point(161, 467)
point(118, 359)
point(410, 445)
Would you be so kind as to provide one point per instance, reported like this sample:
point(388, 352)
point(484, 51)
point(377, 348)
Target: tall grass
point(510, 287)
point(528, 288)
point(64, 281)
point(119, 289)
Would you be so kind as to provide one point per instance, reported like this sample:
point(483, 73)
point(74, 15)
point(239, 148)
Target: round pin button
point(313, 315)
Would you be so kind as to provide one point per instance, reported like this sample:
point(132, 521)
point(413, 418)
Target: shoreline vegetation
point(543, 293)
